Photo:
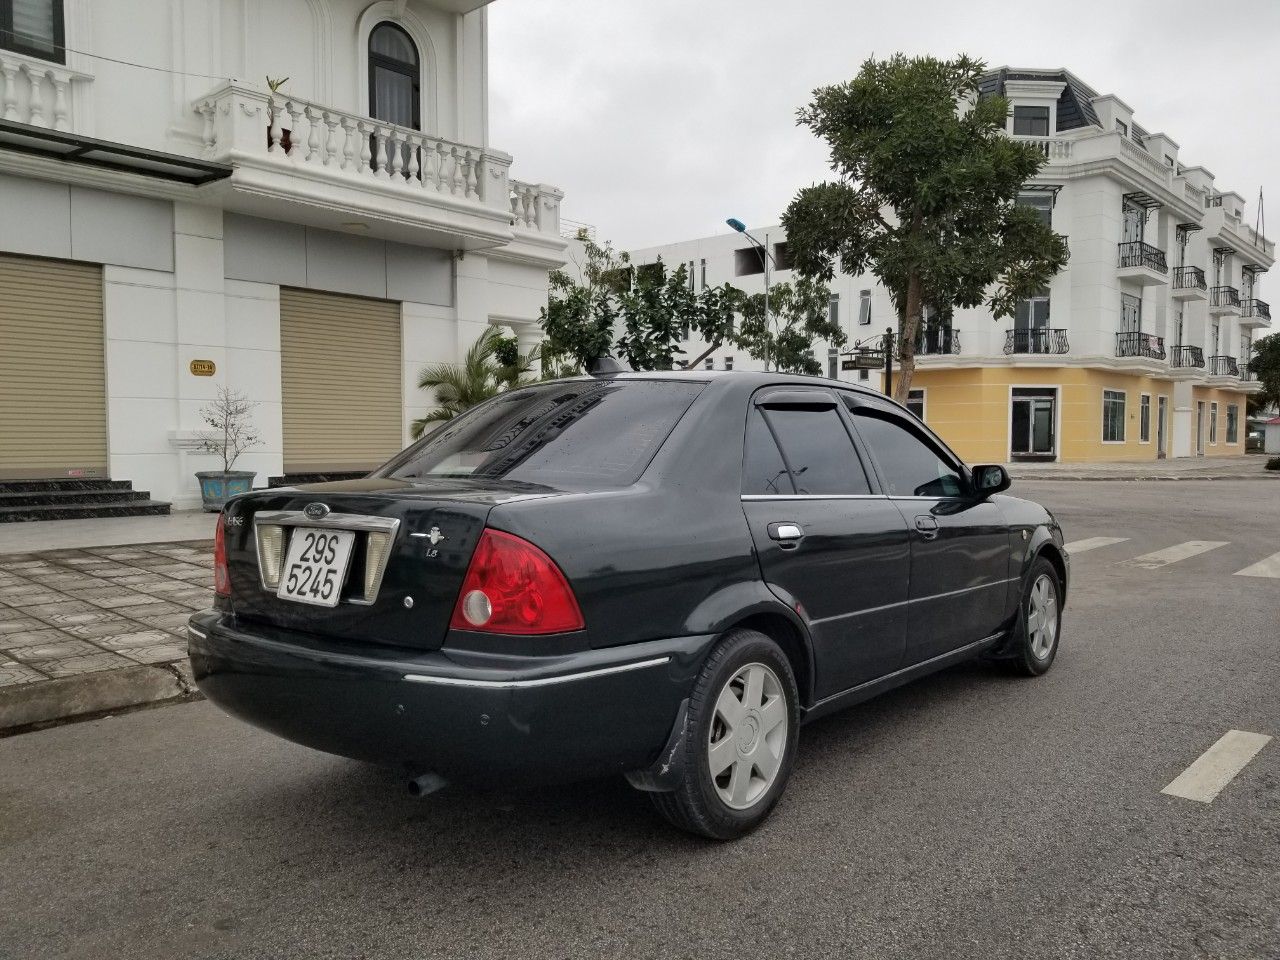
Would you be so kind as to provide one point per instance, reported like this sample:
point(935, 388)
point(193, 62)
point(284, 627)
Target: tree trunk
point(692, 364)
point(907, 330)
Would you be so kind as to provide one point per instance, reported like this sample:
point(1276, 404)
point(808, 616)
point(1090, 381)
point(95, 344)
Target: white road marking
point(1162, 558)
point(1270, 567)
point(1217, 766)
point(1092, 543)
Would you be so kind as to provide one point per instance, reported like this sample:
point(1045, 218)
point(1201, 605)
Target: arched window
point(393, 77)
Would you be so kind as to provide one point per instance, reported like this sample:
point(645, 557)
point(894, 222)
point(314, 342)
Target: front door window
point(1130, 313)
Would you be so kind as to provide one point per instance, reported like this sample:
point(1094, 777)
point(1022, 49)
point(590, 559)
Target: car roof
point(740, 377)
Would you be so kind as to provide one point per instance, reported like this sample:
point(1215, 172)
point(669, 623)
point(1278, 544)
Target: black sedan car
point(661, 575)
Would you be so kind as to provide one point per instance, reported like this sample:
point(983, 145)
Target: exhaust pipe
point(426, 784)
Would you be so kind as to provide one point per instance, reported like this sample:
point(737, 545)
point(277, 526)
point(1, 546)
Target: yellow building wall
point(970, 409)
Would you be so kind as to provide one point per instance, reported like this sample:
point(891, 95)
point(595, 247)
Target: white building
point(1137, 350)
point(167, 225)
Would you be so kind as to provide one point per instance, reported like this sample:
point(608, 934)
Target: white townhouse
point(169, 224)
point(1137, 350)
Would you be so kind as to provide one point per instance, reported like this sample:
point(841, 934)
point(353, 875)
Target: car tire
point(743, 726)
point(1039, 624)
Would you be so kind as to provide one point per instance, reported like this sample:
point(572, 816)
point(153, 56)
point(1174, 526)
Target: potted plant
point(231, 433)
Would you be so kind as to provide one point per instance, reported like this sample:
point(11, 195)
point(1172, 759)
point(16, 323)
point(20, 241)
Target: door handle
point(927, 527)
point(787, 533)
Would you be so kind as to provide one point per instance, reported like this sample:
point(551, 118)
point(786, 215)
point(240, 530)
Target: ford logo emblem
point(316, 511)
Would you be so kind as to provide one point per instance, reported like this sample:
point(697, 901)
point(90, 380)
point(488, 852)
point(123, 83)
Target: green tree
point(1264, 363)
point(648, 311)
point(798, 316)
point(925, 196)
point(492, 364)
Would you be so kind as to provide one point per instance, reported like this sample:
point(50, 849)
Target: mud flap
point(668, 770)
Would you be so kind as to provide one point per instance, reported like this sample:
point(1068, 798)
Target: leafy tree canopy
point(648, 311)
point(1265, 364)
point(925, 195)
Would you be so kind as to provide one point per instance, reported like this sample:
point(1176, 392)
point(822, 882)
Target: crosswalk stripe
point(1217, 766)
point(1270, 567)
point(1092, 543)
point(1162, 558)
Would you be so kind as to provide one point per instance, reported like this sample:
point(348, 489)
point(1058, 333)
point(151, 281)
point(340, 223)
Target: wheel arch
point(1050, 550)
point(789, 634)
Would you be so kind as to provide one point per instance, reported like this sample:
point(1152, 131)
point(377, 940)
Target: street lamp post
point(741, 227)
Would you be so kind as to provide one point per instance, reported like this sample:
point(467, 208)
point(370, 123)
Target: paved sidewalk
point(85, 630)
point(1180, 468)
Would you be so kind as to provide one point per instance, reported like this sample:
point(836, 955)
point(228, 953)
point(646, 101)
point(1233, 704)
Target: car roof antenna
point(606, 366)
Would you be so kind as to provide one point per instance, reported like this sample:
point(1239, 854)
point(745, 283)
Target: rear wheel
point(743, 728)
point(1039, 621)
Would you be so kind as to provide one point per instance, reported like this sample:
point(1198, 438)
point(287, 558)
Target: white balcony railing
point(244, 124)
point(37, 92)
point(1054, 148)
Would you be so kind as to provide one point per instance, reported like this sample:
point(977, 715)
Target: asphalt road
point(969, 815)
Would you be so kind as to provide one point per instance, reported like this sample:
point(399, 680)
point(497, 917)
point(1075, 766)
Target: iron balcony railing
point(1246, 373)
point(1188, 278)
point(1222, 366)
point(939, 341)
point(1135, 253)
point(1135, 344)
point(1224, 296)
point(1184, 356)
point(1039, 340)
point(1255, 308)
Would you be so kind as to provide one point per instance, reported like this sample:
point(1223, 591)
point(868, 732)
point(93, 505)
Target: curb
point(45, 701)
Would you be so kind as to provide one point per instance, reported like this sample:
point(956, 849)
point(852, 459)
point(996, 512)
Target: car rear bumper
point(510, 719)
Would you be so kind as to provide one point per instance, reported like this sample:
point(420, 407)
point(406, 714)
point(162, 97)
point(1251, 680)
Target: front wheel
point(1039, 621)
point(743, 727)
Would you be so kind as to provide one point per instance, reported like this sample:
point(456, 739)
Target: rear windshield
point(575, 434)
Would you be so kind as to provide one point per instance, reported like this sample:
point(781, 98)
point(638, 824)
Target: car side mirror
point(991, 478)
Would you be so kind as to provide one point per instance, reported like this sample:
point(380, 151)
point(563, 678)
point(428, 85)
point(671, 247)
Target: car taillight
point(513, 587)
point(221, 579)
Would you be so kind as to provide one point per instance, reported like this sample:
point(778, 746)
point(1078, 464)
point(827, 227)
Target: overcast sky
point(660, 118)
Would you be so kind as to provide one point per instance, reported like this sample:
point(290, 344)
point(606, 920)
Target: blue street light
point(767, 258)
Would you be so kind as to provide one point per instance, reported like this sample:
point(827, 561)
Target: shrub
point(1273, 463)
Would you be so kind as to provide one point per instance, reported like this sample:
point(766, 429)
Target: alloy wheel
point(748, 736)
point(1042, 617)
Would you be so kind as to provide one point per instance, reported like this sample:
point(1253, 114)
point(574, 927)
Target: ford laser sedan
point(660, 575)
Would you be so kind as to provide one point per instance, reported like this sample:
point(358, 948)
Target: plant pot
point(216, 487)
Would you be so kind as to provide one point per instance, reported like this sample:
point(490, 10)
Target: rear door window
point(816, 453)
point(578, 434)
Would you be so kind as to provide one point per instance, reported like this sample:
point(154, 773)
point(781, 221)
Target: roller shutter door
point(53, 406)
point(341, 381)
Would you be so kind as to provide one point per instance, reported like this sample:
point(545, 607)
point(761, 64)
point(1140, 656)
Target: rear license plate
point(316, 566)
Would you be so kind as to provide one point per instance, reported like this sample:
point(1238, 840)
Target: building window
point(710, 364)
point(1041, 203)
point(1031, 121)
point(1144, 418)
point(1130, 313)
point(1122, 127)
point(1213, 339)
point(833, 364)
point(781, 260)
point(1178, 326)
point(1168, 160)
point(394, 91)
point(864, 307)
point(728, 363)
point(1113, 416)
point(1213, 423)
point(1233, 423)
point(864, 374)
point(748, 261)
point(690, 279)
point(915, 403)
point(33, 27)
point(703, 270)
point(833, 310)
